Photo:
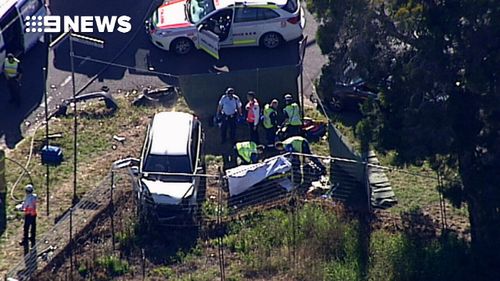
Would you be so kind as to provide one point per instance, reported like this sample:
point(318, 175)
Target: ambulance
point(183, 25)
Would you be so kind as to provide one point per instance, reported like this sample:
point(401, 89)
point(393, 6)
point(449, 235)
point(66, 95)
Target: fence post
point(143, 257)
point(220, 239)
point(367, 186)
point(112, 210)
point(71, 242)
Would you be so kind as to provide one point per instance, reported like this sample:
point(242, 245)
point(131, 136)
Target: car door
point(216, 31)
point(269, 20)
point(245, 26)
point(208, 41)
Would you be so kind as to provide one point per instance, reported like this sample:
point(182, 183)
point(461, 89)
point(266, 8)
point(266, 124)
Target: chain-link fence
point(129, 231)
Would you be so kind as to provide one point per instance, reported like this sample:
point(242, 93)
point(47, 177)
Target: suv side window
point(246, 14)
point(265, 14)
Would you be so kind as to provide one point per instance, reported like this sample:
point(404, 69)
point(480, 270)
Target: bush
point(163, 271)
point(324, 245)
point(402, 257)
point(113, 265)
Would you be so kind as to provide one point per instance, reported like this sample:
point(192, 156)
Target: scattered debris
point(103, 95)
point(119, 139)
point(151, 97)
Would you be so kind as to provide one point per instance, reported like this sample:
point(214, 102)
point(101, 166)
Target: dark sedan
point(349, 95)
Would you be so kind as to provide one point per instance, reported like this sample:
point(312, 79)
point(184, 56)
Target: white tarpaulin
point(243, 177)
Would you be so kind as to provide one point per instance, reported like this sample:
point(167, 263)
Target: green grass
point(113, 265)
point(416, 187)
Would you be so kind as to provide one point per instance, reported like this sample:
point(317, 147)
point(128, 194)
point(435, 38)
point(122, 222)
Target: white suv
point(181, 25)
point(171, 157)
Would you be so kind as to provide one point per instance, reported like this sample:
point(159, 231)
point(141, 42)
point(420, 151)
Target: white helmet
point(29, 188)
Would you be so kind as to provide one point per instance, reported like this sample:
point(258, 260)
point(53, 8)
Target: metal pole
point(302, 88)
point(71, 242)
point(367, 184)
point(302, 50)
point(111, 203)
point(75, 122)
point(47, 175)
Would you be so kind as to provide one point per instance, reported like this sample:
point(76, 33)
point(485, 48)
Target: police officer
point(13, 72)
point(293, 119)
point(248, 152)
point(228, 110)
point(29, 209)
point(253, 116)
point(270, 121)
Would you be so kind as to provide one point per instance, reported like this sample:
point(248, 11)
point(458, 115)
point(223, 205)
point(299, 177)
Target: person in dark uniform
point(228, 110)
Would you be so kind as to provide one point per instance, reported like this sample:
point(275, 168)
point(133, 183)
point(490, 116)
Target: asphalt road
point(136, 52)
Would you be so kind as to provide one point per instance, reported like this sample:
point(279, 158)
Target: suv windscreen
point(167, 164)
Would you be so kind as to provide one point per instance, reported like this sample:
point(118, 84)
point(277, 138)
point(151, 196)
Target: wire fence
point(119, 230)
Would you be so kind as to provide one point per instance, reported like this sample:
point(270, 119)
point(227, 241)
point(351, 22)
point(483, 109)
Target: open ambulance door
point(208, 42)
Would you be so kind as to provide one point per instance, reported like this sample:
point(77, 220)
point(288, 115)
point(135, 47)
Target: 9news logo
point(90, 24)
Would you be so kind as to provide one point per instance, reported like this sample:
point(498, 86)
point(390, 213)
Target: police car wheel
point(182, 46)
point(271, 40)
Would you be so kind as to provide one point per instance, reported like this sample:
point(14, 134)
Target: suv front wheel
point(271, 40)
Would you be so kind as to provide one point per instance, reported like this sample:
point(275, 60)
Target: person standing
point(229, 109)
point(253, 116)
point(29, 209)
point(293, 119)
point(13, 73)
point(270, 121)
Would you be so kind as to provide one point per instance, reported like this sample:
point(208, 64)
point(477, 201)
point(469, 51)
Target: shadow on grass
point(164, 245)
point(421, 255)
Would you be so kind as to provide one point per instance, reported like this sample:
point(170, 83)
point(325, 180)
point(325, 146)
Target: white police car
point(181, 25)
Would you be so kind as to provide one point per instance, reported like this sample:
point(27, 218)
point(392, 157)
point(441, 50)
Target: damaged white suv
point(171, 158)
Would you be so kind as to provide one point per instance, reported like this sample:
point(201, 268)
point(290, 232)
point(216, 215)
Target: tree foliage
point(437, 64)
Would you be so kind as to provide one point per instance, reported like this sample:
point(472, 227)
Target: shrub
point(113, 265)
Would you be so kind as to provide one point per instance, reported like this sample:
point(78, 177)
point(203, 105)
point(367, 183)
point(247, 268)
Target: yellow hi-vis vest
point(245, 150)
point(296, 143)
point(293, 112)
point(10, 69)
point(267, 116)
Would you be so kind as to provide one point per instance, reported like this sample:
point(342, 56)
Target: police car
point(182, 25)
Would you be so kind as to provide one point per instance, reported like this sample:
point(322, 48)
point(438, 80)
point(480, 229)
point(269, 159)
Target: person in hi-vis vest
point(13, 73)
point(270, 122)
point(29, 209)
point(293, 118)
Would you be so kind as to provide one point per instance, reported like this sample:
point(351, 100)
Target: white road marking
point(66, 81)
